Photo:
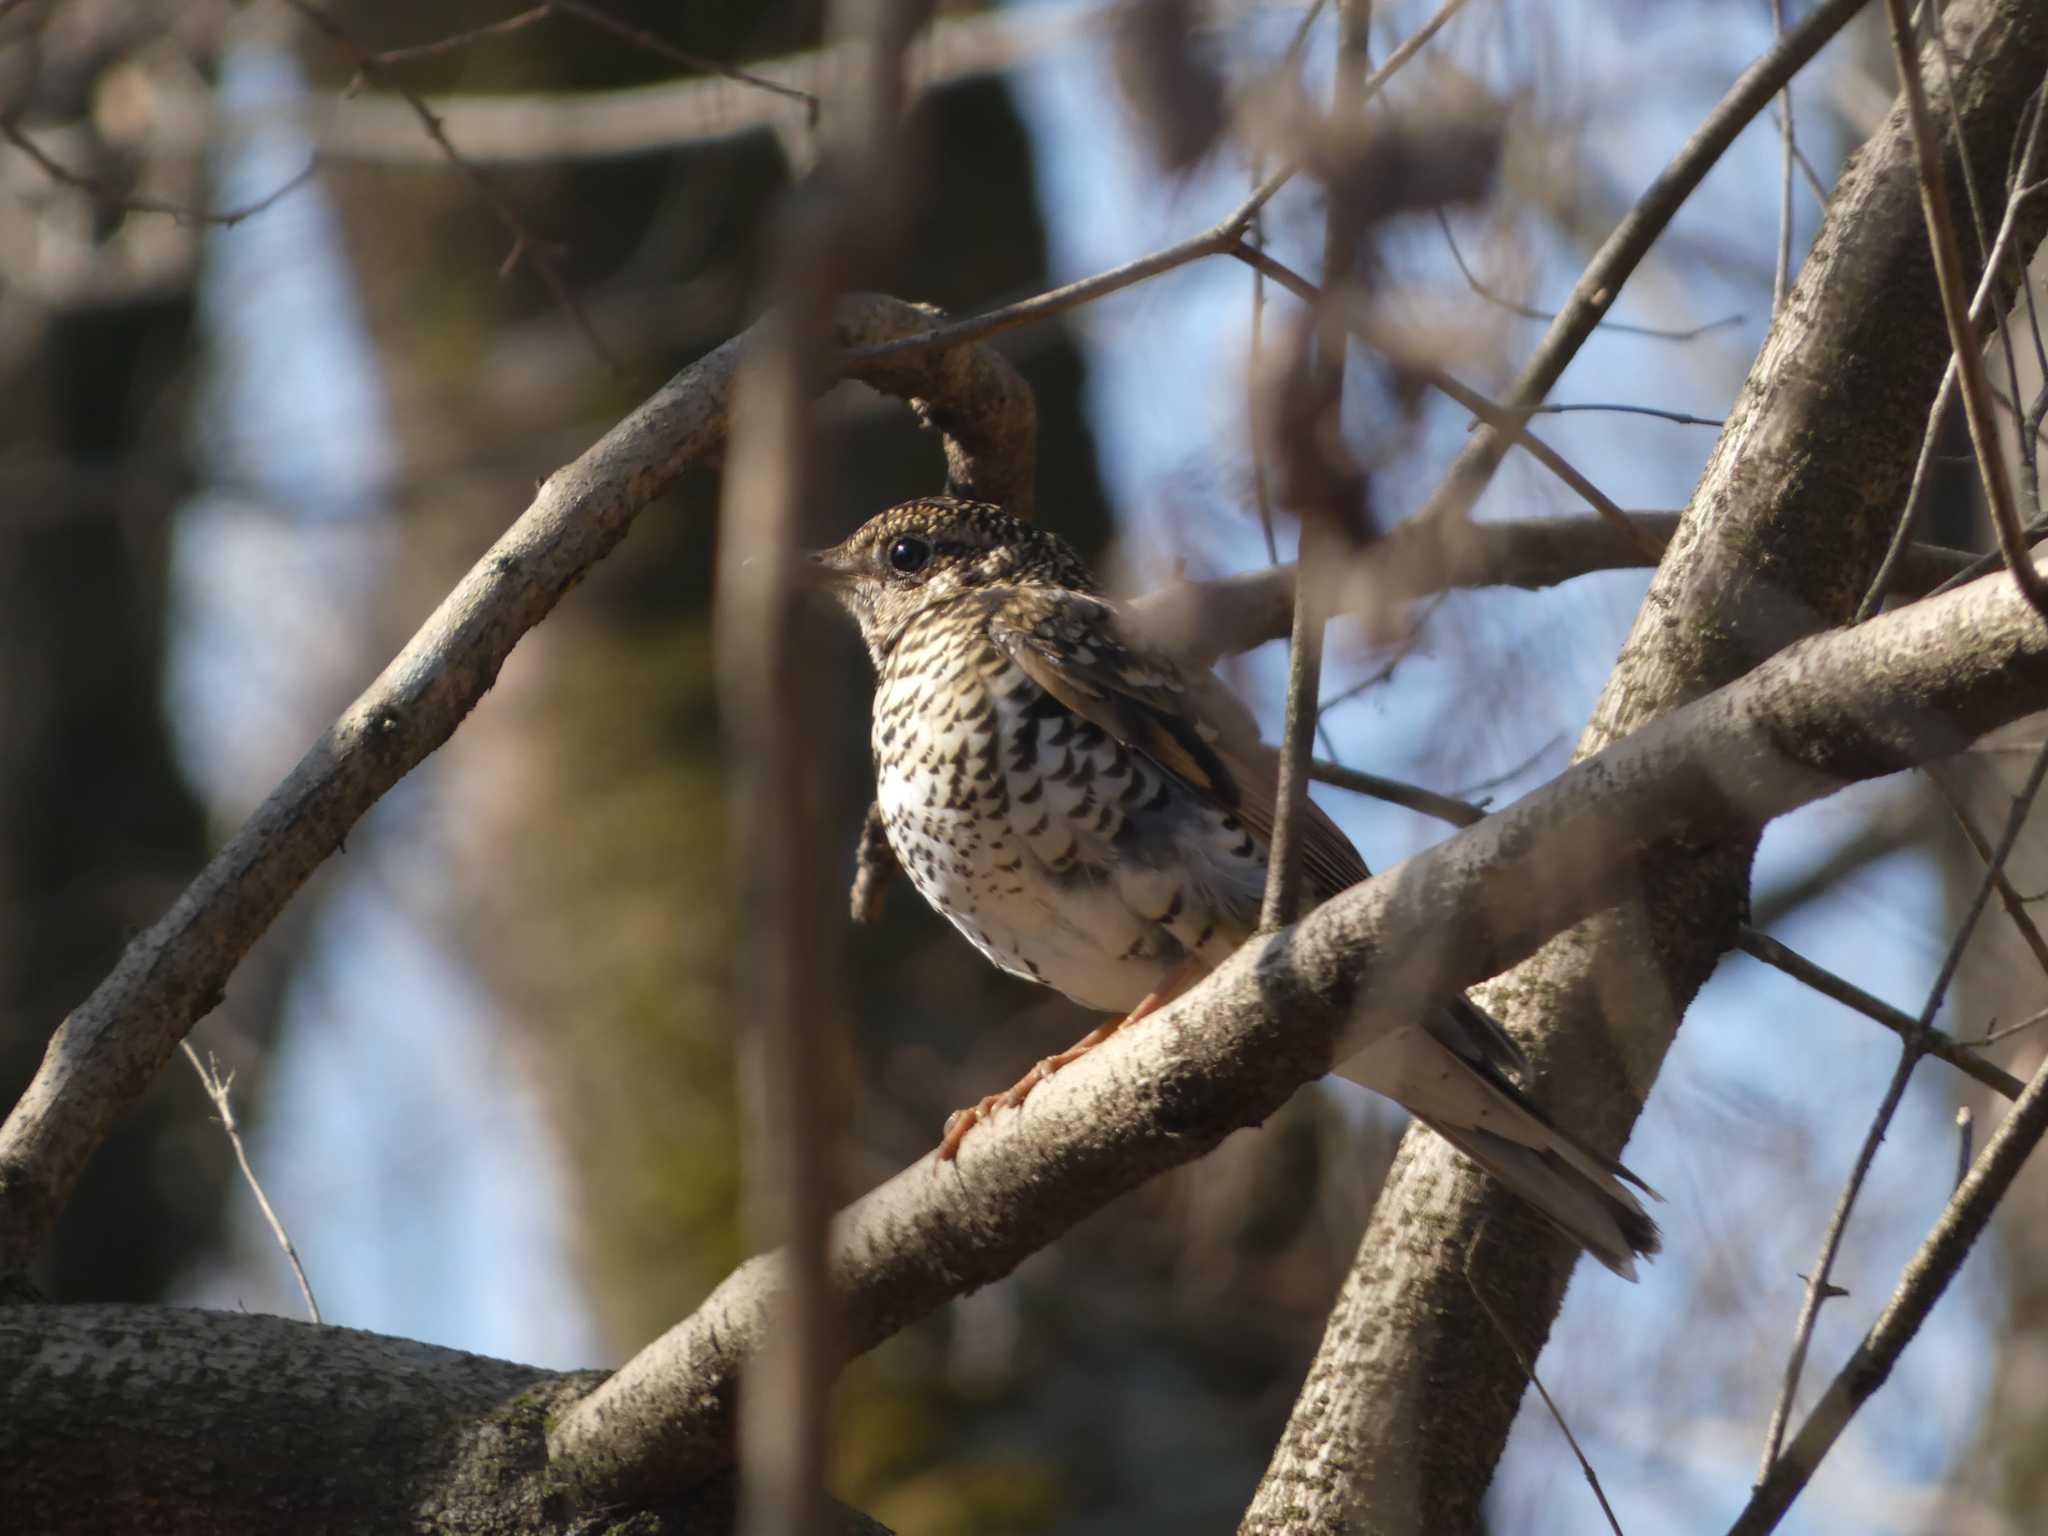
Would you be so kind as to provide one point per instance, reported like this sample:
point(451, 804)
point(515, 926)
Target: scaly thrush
point(1096, 817)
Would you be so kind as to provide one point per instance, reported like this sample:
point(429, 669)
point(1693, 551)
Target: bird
point(1095, 816)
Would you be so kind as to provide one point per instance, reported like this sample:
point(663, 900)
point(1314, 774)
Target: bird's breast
point(1062, 855)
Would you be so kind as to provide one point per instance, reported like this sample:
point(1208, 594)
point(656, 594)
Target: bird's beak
point(828, 569)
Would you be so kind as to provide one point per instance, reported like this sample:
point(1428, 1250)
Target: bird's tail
point(1478, 1109)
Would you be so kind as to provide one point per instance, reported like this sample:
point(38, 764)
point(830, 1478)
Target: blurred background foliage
point(193, 579)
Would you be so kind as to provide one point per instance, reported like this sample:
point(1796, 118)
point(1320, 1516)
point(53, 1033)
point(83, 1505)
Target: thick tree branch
point(1203, 620)
point(227, 1421)
point(1916, 684)
point(115, 1042)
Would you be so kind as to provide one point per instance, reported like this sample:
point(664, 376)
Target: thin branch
point(1500, 300)
point(217, 1084)
point(1200, 621)
point(2002, 250)
point(1921, 1285)
point(106, 197)
point(1220, 239)
point(1814, 184)
point(1262, 494)
point(1994, 1035)
point(456, 42)
point(1323, 536)
point(1957, 1053)
point(1529, 1369)
point(1948, 271)
point(1413, 797)
point(1679, 418)
point(1601, 282)
point(1781, 277)
point(524, 245)
point(851, 211)
point(1942, 776)
point(1512, 425)
point(1583, 311)
point(661, 47)
point(1909, 1057)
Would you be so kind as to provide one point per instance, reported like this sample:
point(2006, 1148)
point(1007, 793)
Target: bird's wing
point(1195, 730)
point(1185, 723)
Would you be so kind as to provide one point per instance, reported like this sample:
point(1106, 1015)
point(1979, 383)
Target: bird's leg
point(961, 1121)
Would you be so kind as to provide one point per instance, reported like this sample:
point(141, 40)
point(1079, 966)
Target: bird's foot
point(961, 1121)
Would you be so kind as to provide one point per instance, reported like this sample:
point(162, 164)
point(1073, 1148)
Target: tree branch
point(231, 1421)
point(1202, 620)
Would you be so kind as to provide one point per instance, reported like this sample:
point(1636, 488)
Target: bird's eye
point(908, 555)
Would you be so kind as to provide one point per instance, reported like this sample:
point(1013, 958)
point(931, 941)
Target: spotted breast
point(1063, 855)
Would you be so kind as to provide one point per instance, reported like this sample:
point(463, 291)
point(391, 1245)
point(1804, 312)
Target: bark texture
point(190, 1423)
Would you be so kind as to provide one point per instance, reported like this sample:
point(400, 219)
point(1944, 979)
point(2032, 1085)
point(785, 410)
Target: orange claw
point(961, 1121)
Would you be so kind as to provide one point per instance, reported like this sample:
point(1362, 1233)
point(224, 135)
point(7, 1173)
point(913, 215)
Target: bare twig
point(456, 42)
point(1678, 418)
point(1948, 270)
point(217, 1085)
point(1781, 278)
point(1992, 1036)
point(770, 473)
point(1957, 1053)
point(1512, 425)
point(1909, 1057)
point(524, 244)
point(1200, 621)
point(1321, 536)
point(661, 47)
point(1813, 182)
point(1529, 1369)
point(1413, 797)
point(107, 197)
point(1500, 300)
point(2002, 249)
point(1583, 311)
point(1943, 777)
point(1220, 239)
point(849, 212)
point(1601, 282)
point(1925, 1278)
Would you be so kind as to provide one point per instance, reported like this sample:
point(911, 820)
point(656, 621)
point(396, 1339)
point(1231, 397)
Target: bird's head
point(910, 558)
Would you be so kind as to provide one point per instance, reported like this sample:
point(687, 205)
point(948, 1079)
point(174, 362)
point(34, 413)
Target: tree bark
point(188, 1423)
point(1408, 1405)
